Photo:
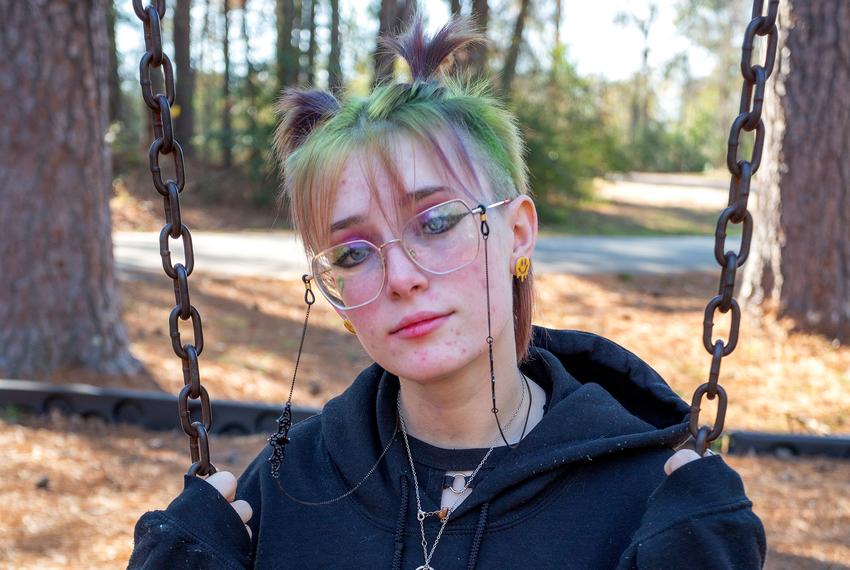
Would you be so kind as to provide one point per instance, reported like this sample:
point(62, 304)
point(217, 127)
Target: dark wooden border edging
point(788, 444)
point(157, 411)
point(149, 409)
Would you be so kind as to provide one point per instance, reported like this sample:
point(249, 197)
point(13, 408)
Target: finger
point(225, 483)
point(243, 509)
point(680, 458)
point(248, 528)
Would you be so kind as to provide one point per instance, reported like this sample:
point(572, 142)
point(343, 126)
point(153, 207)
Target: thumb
point(225, 483)
point(681, 457)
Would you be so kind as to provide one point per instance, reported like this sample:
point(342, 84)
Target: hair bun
point(300, 110)
point(426, 56)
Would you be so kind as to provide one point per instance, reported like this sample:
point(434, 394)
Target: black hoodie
point(584, 489)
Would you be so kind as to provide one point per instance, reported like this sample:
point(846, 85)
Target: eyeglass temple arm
point(482, 209)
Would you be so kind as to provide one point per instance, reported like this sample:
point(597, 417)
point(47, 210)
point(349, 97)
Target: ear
point(522, 220)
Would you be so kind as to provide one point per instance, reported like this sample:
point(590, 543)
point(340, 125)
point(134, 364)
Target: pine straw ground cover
point(72, 493)
point(73, 490)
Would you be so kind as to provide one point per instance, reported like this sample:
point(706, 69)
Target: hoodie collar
point(602, 399)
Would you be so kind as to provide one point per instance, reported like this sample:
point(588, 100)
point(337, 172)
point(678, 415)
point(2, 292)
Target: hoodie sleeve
point(699, 517)
point(199, 529)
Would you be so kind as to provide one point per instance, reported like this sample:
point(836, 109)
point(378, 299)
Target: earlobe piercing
point(348, 326)
point(521, 267)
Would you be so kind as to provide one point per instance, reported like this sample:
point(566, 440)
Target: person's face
point(459, 335)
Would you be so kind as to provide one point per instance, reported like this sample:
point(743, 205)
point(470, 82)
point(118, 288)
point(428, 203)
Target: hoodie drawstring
point(479, 536)
point(399, 529)
point(477, 539)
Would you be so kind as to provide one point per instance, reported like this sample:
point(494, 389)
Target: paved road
point(279, 254)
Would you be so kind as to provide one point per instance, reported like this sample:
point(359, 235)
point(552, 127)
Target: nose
point(403, 276)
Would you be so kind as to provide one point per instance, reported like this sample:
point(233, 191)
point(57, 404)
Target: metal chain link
point(748, 119)
point(165, 144)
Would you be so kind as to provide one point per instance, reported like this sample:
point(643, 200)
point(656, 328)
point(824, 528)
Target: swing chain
point(165, 144)
point(749, 119)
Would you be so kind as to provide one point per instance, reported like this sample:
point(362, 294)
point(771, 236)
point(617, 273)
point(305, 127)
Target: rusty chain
point(748, 119)
point(165, 144)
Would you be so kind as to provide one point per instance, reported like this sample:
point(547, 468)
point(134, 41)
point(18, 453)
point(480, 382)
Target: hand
point(225, 483)
point(681, 457)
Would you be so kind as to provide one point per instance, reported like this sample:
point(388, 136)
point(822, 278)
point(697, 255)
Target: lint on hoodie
point(584, 489)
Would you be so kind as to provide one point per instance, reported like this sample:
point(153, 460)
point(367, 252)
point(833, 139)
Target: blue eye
point(348, 256)
point(441, 223)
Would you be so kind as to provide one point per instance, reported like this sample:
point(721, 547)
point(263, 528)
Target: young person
point(475, 440)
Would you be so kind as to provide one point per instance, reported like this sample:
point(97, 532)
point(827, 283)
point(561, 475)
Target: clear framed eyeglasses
point(440, 240)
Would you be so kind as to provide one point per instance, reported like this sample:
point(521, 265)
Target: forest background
point(670, 113)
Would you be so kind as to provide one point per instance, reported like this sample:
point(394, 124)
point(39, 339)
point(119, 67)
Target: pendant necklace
point(443, 513)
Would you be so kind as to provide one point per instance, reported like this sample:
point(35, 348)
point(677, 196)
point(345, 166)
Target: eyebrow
point(412, 197)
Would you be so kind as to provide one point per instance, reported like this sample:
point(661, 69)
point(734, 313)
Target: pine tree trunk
point(287, 54)
point(383, 60)
point(184, 123)
point(207, 94)
point(478, 53)
point(59, 305)
point(254, 158)
point(313, 46)
point(395, 17)
point(334, 67)
point(799, 264)
point(115, 108)
point(513, 52)
point(226, 128)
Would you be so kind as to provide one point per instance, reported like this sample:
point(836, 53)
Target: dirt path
point(668, 190)
point(281, 256)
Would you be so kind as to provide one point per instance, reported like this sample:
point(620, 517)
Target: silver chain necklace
point(444, 513)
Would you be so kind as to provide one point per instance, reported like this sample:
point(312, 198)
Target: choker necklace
point(443, 513)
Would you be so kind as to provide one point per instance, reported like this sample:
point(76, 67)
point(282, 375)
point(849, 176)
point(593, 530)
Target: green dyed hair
point(317, 135)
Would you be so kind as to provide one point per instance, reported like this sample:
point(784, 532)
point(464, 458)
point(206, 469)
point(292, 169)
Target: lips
point(421, 316)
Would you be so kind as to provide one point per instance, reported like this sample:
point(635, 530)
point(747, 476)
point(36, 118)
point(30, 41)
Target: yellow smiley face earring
point(521, 268)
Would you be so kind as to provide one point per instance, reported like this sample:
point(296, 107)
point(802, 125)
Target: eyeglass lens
point(440, 240)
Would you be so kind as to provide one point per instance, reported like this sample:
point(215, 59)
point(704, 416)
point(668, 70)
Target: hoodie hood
point(584, 489)
point(601, 400)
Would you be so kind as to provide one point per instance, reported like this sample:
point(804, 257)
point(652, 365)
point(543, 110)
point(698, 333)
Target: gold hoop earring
point(521, 268)
point(348, 326)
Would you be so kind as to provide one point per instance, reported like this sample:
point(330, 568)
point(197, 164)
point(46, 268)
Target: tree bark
point(226, 132)
point(513, 52)
point(799, 264)
point(115, 107)
point(254, 158)
point(478, 53)
point(383, 60)
point(334, 66)
point(184, 123)
point(394, 17)
point(313, 47)
point(207, 94)
point(287, 55)
point(60, 305)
